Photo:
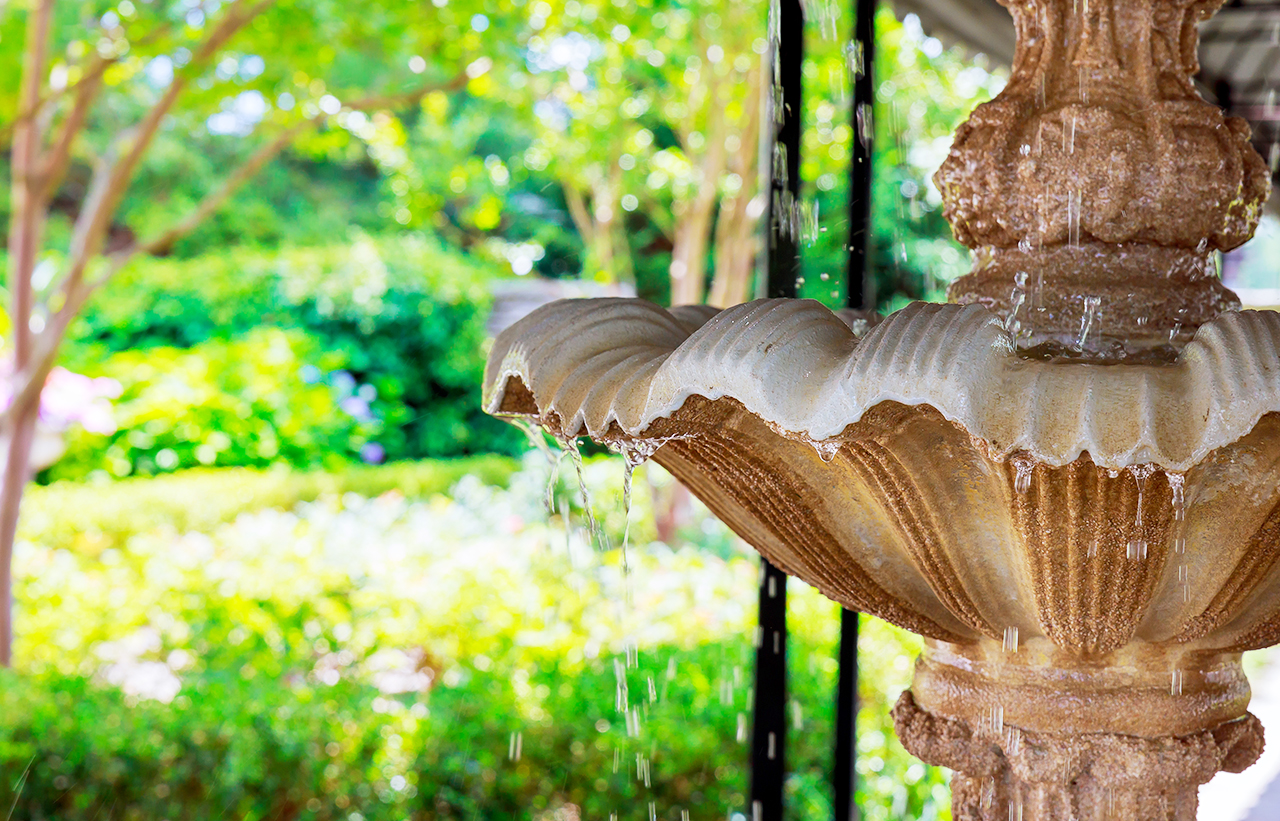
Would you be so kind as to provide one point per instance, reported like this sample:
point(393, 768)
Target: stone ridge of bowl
point(609, 366)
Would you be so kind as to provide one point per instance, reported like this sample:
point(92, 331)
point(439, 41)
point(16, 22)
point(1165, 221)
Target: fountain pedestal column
point(972, 471)
point(1037, 737)
point(1017, 774)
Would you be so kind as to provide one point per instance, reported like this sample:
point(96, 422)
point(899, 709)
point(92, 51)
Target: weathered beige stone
point(1076, 501)
point(1100, 172)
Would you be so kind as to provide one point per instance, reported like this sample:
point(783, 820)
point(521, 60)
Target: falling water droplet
point(826, 449)
point(988, 793)
point(1271, 103)
point(997, 719)
point(1013, 741)
point(1023, 467)
point(1075, 201)
point(855, 54)
point(653, 807)
point(1177, 488)
point(1175, 683)
point(570, 446)
point(514, 746)
point(1275, 156)
point(809, 222)
point(866, 129)
point(620, 686)
point(1016, 299)
point(1137, 548)
point(539, 442)
point(1275, 34)
point(1011, 639)
point(1015, 807)
point(1091, 304)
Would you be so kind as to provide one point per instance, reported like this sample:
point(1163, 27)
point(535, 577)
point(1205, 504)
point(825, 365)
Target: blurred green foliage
point(280, 632)
point(923, 92)
point(238, 402)
point(89, 517)
point(302, 356)
point(610, 102)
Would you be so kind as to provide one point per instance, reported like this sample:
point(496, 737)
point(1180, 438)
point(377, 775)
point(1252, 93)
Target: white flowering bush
point(429, 656)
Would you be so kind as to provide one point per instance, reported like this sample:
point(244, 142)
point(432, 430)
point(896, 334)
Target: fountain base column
point(1032, 737)
point(1026, 776)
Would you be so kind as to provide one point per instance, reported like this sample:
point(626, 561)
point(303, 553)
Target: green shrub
point(404, 316)
point(269, 629)
point(244, 401)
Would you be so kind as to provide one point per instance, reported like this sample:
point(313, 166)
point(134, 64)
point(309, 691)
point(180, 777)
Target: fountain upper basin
point(1103, 515)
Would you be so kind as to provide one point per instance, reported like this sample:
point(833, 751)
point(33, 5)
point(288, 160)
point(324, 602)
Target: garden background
point(277, 564)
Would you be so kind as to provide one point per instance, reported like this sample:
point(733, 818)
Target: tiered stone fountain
point(1067, 481)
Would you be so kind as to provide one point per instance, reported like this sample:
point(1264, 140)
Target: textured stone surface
point(928, 475)
point(1071, 487)
point(1006, 772)
point(921, 507)
point(600, 363)
point(1100, 141)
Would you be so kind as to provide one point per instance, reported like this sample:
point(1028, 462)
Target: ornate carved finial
point(1096, 186)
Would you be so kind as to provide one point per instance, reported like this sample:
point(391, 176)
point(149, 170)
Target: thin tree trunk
point(693, 230)
point(37, 172)
point(737, 242)
point(26, 232)
point(16, 474)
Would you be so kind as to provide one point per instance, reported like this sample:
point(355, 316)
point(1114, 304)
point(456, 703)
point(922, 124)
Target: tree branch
point(109, 184)
point(403, 98)
point(162, 242)
point(77, 292)
point(59, 155)
point(24, 243)
point(92, 73)
point(27, 224)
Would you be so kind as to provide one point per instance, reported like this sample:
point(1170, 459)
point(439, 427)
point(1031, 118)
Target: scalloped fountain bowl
point(1087, 547)
point(1087, 543)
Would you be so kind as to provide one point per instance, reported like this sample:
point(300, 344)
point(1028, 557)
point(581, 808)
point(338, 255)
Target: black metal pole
point(861, 294)
point(845, 779)
point(860, 282)
point(769, 732)
point(769, 725)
